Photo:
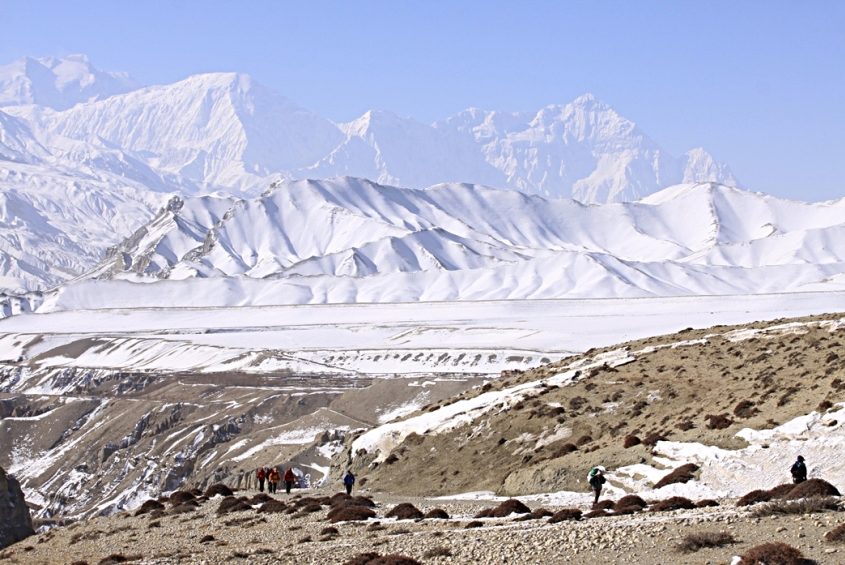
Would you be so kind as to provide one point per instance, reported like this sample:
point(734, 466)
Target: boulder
point(15, 521)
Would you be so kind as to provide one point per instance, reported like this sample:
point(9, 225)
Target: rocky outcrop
point(15, 521)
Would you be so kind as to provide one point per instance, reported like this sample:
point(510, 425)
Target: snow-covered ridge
point(350, 240)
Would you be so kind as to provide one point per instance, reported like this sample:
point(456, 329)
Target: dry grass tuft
point(837, 534)
point(404, 511)
point(674, 503)
point(700, 540)
point(566, 514)
point(810, 505)
point(776, 553)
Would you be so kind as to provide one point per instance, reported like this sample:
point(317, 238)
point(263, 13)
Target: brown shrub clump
point(674, 503)
point(718, 421)
point(404, 511)
point(754, 497)
point(350, 513)
point(506, 508)
point(437, 513)
point(565, 515)
point(474, 524)
point(781, 491)
point(630, 441)
point(149, 506)
point(682, 474)
point(439, 551)
point(706, 503)
point(376, 559)
point(232, 504)
point(745, 409)
point(218, 488)
point(180, 496)
point(596, 514)
point(775, 553)
point(812, 487)
point(810, 505)
point(604, 505)
point(272, 507)
point(652, 439)
point(700, 540)
point(837, 534)
point(630, 500)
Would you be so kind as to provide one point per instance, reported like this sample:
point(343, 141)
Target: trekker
point(799, 471)
point(261, 474)
point(274, 479)
point(348, 481)
point(596, 480)
point(289, 479)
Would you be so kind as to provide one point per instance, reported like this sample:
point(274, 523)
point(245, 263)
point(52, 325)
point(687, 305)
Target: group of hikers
point(597, 479)
point(272, 477)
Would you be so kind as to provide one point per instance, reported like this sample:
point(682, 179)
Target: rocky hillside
point(15, 521)
point(640, 409)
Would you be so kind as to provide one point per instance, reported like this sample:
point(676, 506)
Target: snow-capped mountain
point(226, 131)
point(351, 240)
point(58, 82)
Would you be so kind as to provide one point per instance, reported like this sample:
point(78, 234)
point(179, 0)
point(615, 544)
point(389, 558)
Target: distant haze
point(759, 84)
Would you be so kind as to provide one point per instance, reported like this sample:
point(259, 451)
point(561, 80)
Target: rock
point(15, 521)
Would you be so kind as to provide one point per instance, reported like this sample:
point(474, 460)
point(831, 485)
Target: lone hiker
point(274, 479)
point(348, 481)
point(799, 471)
point(261, 474)
point(289, 479)
point(596, 480)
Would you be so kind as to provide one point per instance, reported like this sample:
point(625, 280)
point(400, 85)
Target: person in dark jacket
point(799, 471)
point(290, 478)
point(261, 474)
point(348, 481)
point(596, 480)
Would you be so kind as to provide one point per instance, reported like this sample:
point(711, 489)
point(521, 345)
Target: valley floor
point(250, 537)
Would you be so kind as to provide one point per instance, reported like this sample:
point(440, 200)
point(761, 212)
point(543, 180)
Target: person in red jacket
point(261, 474)
point(289, 479)
point(274, 479)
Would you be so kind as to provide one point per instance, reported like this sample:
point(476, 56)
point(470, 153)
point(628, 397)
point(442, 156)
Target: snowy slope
point(351, 240)
point(58, 82)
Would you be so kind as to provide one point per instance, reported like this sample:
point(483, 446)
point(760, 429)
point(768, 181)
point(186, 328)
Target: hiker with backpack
point(348, 481)
point(290, 478)
point(274, 479)
point(799, 471)
point(596, 479)
point(261, 475)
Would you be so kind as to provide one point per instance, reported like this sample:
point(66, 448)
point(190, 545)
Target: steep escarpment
point(15, 521)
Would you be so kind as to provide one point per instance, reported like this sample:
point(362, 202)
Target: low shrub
point(745, 409)
point(700, 540)
point(754, 497)
point(682, 474)
point(437, 513)
point(218, 488)
point(781, 491)
point(837, 534)
point(673, 503)
point(604, 505)
point(630, 441)
point(260, 498)
point(206, 538)
point(376, 559)
point(329, 531)
point(564, 449)
point(184, 508)
point(812, 487)
point(439, 551)
point(474, 524)
point(706, 503)
point(506, 508)
point(114, 558)
point(404, 511)
point(595, 514)
point(272, 507)
point(718, 421)
point(565, 515)
point(630, 500)
point(811, 505)
point(149, 506)
point(775, 553)
point(180, 496)
point(652, 439)
point(350, 514)
point(232, 504)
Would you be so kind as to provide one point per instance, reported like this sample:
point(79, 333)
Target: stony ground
point(202, 536)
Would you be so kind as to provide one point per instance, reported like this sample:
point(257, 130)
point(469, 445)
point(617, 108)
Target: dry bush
point(272, 507)
point(218, 488)
point(584, 440)
point(206, 538)
point(232, 504)
point(537, 514)
point(837, 534)
point(824, 406)
point(391, 459)
point(682, 474)
point(309, 508)
point(350, 514)
point(344, 499)
point(775, 553)
point(781, 491)
point(745, 409)
point(673, 503)
point(564, 449)
point(812, 487)
point(718, 421)
point(685, 425)
point(630, 500)
point(604, 505)
point(630, 441)
point(595, 514)
point(149, 506)
point(439, 551)
point(437, 513)
point(810, 505)
point(652, 439)
point(474, 524)
point(179, 497)
point(700, 540)
point(754, 497)
point(183, 508)
point(404, 511)
point(260, 498)
point(506, 508)
point(706, 503)
point(565, 515)
point(116, 558)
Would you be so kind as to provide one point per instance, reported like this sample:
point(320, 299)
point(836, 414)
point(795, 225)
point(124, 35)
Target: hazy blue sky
point(760, 84)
